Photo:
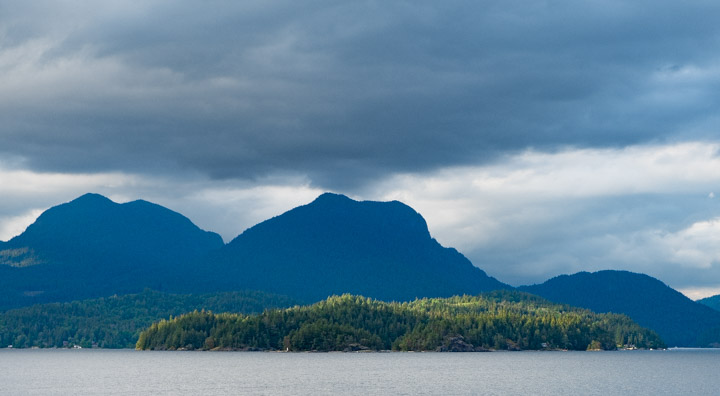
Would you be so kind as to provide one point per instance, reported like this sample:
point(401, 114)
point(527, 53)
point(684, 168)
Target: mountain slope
point(336, 245)
point(677, 319)
point(712, 302)
point(92, 246)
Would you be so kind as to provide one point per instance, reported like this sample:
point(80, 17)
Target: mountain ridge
point(650, 302)
point(92, 246)
point(90, 211)
point(380, 249)
point(712, 302)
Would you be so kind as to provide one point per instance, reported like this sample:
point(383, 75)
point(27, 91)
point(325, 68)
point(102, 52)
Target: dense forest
point(492, 321)
point(116, 322)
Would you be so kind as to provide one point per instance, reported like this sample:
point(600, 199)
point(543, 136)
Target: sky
point(538, 138)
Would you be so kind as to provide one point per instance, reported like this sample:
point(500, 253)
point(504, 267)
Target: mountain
point(93, 225)
point(649, 302)
point(712, 302)
point(92, 247)
point(336, 245)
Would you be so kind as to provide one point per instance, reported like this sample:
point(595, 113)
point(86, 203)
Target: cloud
point(696, 293)
point(538, 138)
point(25, 194)
point(221, 206)
point(536, 214)
point(11, 226)
point(18, 182)
point(697, 246)
point(523, 219)
point(344, 93)
point(513, 186)
point(230, 210)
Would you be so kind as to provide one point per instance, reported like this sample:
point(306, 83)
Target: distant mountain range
point(677, 319)
point(92, 247)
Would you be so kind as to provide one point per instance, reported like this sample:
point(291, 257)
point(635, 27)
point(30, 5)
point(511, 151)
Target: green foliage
point(116, 322)
point(497, 320)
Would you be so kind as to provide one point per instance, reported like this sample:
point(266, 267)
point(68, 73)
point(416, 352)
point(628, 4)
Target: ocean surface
point(127, 372)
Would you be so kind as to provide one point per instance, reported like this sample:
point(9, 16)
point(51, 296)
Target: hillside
point(116, 322)
point(499, 320)
point(336, 245)
point(712, 302)
point(677, 319)
point(93, 247)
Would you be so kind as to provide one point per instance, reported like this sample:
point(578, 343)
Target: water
point(126, 372)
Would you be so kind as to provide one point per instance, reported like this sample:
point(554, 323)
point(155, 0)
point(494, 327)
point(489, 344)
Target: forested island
point(501, 320)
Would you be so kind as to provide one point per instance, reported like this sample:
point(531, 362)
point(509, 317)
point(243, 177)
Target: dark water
point(126, 372)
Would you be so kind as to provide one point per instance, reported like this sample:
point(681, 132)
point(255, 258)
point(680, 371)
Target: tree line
point(116, 322)
point(498, 320)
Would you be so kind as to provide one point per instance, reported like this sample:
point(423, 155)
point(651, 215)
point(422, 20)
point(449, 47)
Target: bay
point(128, 372)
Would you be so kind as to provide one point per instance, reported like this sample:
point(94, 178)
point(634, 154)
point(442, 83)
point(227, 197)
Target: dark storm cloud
point(347, 91)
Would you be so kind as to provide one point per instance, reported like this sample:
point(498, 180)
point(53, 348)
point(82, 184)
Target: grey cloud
point(345, 92)
point(625, 232)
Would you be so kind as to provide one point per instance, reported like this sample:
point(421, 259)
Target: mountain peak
point(92, 198)
point(332, 197)
point(94, 220)
point(92, 245)
point(334, 215)
point(337, 245)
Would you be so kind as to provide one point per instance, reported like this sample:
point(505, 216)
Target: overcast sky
point(538, 138)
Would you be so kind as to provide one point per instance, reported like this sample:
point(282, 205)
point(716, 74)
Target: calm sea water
point(126, 372)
